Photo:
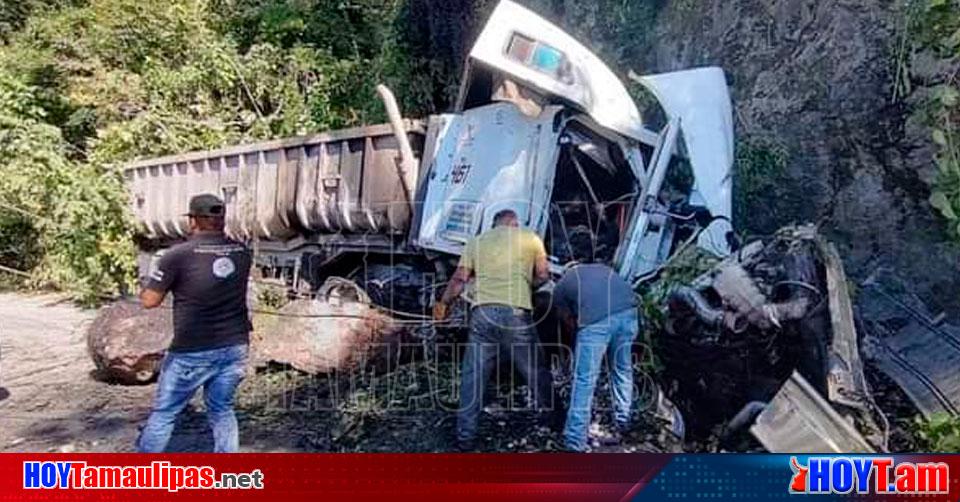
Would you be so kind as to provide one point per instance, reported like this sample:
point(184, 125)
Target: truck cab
point(542, 126)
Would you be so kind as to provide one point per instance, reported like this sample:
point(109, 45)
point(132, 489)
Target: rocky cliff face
point(812, 79)
point(816, 76)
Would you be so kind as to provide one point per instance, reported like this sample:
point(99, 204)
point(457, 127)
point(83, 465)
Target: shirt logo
point(223, 267)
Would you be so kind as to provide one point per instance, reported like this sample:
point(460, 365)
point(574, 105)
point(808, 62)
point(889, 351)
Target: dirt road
point(52, 403)
point(50, 400)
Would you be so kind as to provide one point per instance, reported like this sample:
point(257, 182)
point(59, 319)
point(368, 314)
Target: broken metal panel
point(919, 366)
point(777, 308)
point(640, 254)
point(700, 98)
point(920, 355)
point(799, 420)
point(846, 383)
point(673, 430)
point(519, 43)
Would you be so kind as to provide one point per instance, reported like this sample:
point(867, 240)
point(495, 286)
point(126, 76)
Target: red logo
point(799, 482)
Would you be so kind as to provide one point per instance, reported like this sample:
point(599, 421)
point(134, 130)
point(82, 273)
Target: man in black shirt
point(208, 278)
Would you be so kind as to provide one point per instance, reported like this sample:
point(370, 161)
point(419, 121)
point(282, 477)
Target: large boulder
point(320, 336)
point(127, 342)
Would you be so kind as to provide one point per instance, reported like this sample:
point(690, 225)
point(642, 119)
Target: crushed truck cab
point(541, 125)
point(544, 127)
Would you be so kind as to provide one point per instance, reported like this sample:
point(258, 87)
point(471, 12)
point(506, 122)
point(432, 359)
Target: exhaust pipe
point(694, 302)
point(408, 163)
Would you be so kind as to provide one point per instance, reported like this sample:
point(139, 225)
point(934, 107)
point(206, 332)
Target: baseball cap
point(205, 205)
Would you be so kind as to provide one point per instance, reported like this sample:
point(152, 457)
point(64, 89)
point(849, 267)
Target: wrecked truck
point(541, 126)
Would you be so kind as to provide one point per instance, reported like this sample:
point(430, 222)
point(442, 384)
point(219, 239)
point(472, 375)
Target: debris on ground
point(748, 337)
point(127, 342)
point(799, 420)
point(914, 348)
point(764, 341)
point(302, 405)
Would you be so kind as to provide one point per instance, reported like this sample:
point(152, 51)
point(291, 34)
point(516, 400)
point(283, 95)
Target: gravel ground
point(50, 401)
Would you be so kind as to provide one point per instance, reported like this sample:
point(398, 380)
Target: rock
point(127, 342)
point(316, 336)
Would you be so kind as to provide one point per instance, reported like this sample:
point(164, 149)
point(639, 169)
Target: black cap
point(206, 205)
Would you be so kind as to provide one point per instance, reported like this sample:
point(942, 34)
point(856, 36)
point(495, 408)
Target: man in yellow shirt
point(507, 263)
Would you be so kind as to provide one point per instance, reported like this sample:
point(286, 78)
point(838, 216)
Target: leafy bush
point(86, 86)
point(760, 201)
point(934, 26)
point(688, 264)
point(75, 212)
point(941, 433)
point(945, 196)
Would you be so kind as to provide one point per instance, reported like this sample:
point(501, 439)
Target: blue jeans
point(218, 371)
point(612, 336)
point(499, 330)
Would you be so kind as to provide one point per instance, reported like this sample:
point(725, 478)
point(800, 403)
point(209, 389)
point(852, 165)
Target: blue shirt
point(592, 292)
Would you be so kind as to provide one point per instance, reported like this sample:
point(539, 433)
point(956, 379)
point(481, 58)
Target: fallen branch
point(14, 271)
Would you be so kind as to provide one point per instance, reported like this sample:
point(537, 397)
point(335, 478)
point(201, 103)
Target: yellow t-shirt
point(502, 260)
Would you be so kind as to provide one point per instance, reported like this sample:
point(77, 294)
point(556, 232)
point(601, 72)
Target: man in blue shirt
point(602, 307)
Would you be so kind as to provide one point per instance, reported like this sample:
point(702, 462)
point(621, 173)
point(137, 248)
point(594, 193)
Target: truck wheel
point(398, 287)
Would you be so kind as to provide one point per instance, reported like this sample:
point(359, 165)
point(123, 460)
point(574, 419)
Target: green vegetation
point(58, 216)
point(88, 85)
point(933, 26)
point(688, 264)
point(759, 173)
point(941, 433)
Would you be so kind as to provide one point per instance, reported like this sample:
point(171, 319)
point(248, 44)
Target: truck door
point(485, 160)
point(697, 103)
point(700, 99)
point(648, 238)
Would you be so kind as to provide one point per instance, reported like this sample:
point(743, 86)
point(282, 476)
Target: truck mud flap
point(918, 353)
point(800, 420)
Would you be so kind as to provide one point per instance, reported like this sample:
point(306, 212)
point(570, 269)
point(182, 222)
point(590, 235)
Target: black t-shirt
point(208, 278)
point(593, 292)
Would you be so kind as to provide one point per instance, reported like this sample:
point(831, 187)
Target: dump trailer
point(541, 126)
